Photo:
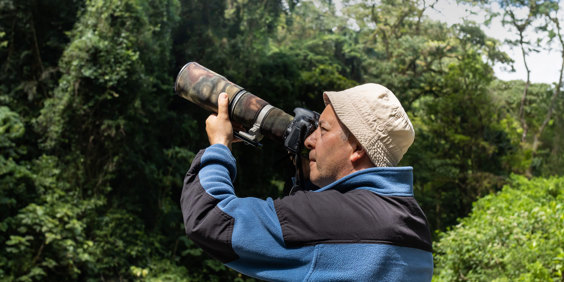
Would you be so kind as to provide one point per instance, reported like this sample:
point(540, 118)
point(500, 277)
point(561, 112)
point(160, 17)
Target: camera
point(257, 117)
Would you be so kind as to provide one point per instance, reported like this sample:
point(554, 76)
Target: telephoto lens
point(202, 87)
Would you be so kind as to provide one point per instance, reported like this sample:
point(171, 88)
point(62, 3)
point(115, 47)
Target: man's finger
point(210, 118)
point(223, 106)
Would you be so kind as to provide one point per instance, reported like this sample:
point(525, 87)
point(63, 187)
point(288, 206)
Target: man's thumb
point(223, 106)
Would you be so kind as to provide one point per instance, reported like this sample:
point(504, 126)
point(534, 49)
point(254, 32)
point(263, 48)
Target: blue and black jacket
point(363, 227)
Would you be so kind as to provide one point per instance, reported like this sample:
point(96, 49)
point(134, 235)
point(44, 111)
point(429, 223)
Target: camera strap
point(299, 178)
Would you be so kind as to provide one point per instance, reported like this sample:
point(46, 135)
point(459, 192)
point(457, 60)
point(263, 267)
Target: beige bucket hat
point(376, 118)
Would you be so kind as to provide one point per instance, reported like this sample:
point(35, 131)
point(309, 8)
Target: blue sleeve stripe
point(206, 224)
point(218, 173)
point(257, 235)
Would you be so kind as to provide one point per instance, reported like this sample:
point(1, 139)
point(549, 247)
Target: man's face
point(330, 150)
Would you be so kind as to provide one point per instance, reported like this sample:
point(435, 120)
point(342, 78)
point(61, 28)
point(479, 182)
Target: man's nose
point(310, 140)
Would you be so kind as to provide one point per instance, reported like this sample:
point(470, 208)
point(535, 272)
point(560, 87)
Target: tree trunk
point(548, 116)
point(525, 91)
point(555, 94)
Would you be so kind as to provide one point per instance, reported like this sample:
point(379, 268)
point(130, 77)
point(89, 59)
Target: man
point(363, 224)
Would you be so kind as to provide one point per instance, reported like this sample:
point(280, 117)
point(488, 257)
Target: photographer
point(363, 224)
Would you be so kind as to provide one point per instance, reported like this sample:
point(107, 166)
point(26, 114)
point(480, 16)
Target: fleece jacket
point(366, 226)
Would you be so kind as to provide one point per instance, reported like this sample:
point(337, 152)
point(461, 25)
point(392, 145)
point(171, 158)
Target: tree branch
point(38, 253)
point(35, 43)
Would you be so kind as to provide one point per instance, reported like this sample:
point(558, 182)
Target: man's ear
point(358, 152)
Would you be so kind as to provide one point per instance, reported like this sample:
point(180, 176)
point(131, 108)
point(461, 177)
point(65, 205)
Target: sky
point(544, 65)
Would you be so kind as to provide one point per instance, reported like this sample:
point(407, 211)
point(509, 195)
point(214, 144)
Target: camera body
point(304, 123)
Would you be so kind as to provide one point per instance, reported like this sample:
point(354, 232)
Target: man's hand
point(218, 126)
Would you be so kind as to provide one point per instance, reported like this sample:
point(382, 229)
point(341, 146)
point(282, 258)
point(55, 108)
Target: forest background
point(94, 144)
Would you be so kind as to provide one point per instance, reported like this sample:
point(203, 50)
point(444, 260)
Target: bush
point(514, 235)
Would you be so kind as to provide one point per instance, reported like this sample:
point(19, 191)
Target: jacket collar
point(387, 181)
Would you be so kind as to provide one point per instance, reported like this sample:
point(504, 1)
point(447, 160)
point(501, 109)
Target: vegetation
point(94, 144)
point(514, 235)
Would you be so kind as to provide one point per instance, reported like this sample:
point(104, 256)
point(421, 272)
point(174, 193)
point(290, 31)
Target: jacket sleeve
point(243, 233)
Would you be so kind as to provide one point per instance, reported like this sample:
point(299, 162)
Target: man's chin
point(317, 181)
point(314, 180)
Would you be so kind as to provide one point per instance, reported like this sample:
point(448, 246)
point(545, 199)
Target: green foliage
point(32, 38)
point(465, 149)
point(514, 235)
point(441, 74)
point(11, 128)
point(43, 222)
point(15, 178)
point(94, 144)
point(547, 160)
point(539, 110)
point(50, 234)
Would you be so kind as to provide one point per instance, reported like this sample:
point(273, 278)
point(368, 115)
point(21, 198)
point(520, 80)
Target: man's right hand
point(218, 126)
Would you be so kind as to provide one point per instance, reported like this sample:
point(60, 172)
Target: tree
point(461, 151)
point(32, 36)
point(523, 17)
point(552, 13)
point(441, 75)
point(80, 217)
point(94, 144)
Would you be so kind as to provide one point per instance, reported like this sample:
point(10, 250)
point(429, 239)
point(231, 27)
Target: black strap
point(300, 180)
